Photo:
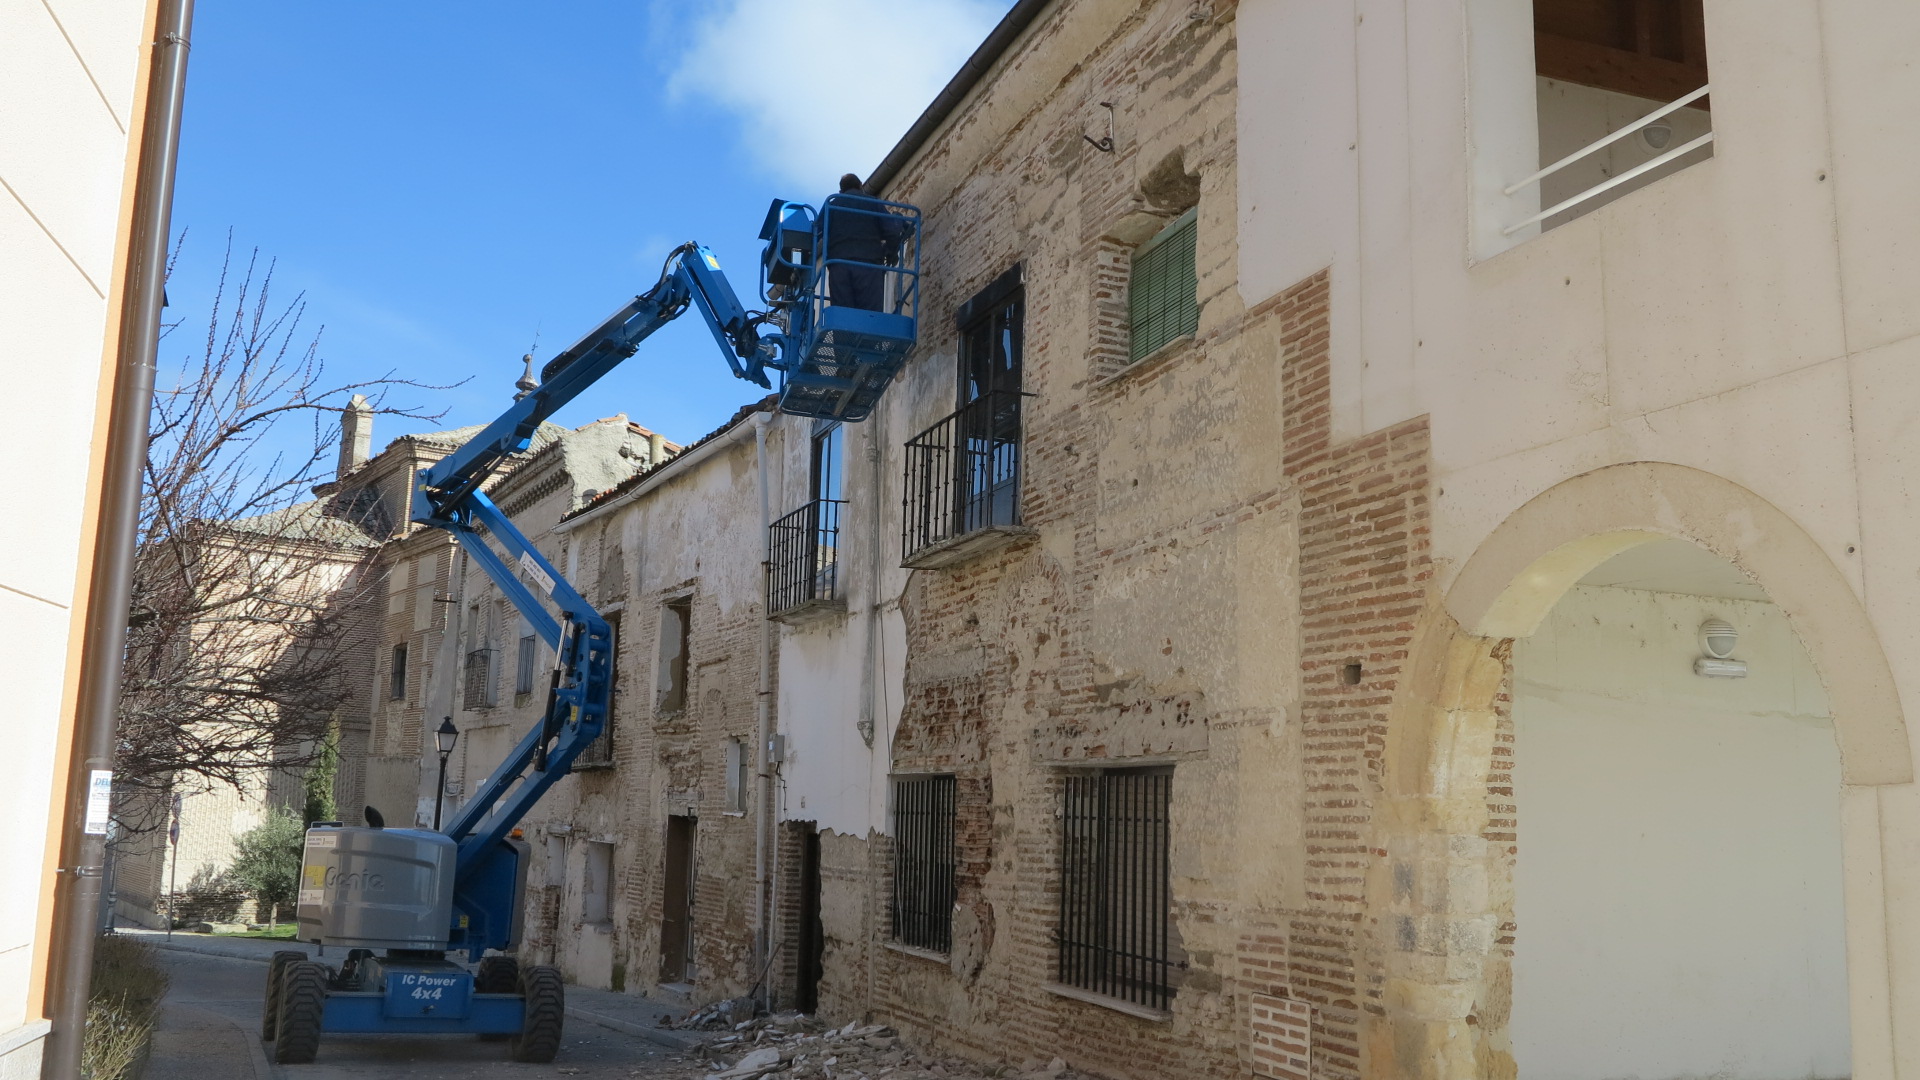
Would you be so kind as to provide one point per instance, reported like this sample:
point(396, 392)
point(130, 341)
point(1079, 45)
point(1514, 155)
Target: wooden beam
point(1583, 62)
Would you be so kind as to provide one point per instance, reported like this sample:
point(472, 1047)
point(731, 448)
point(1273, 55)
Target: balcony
point(803, 563)
point(963, 484)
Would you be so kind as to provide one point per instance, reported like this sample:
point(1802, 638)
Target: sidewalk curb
point(677, 1040)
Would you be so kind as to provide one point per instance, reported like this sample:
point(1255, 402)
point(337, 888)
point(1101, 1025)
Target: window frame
point(673, 667)
point(397, 673)
point(925, 820)
point(1176, 248)
point(1103, 949)
point(528, 656)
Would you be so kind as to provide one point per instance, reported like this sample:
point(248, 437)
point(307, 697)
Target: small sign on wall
point(1282, 1038)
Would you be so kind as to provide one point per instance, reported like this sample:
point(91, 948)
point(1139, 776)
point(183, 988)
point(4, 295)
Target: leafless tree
point(246, 585)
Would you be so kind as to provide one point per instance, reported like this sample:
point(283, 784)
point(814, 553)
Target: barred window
point(923, 860)
point(397, 674)
point(1114, 886)
point(1162, 295)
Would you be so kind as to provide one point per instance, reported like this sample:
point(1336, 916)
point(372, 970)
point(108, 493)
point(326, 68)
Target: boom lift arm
point(835, 359)
point(449, 497)
point(420, 894)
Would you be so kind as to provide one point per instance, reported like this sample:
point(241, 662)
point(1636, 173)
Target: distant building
point(390, 586)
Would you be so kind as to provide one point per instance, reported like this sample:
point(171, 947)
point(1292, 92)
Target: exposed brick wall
point(1364, 535)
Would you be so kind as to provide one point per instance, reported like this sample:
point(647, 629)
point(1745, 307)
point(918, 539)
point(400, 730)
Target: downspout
point(763, 724)
point(872, 723)
point(83, 853)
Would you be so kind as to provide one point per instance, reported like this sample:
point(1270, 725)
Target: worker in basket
point(863, 237)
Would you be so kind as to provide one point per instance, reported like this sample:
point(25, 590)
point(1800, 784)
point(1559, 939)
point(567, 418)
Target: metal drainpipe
point(763, 726)
point(872, 722)
point(83, 854)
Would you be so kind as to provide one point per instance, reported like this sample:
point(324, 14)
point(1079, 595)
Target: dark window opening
point(1115, 924)
point(397, 674)
point(923, 862)
point(1610, 79)
point(676, 621)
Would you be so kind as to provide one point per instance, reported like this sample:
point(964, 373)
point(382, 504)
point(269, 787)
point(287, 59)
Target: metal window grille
point(1114, 885)
point(963, 473)
point(923, 861)
point(1162, 295)
point(803, 557)
point(478, 688)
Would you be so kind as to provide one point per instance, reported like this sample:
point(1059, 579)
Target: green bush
point(266, 860)
point(123, 1005)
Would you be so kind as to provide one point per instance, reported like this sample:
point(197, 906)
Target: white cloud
point(825, 87)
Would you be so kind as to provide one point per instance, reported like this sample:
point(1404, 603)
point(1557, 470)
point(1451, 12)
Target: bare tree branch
point(246, 585)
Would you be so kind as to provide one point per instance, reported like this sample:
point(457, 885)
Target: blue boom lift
point(402, 901)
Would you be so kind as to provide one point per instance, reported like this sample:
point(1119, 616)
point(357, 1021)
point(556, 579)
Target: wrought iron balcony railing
point(803, 559)
point(963, 480)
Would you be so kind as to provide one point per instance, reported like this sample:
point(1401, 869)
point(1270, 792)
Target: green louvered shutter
point(1161, 303)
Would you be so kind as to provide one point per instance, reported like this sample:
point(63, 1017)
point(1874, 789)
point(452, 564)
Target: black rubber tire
point(546, 1011)
point(303, 1000)
point(497, 975)
point(270, 1012)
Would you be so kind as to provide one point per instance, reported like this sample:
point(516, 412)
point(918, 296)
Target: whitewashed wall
point(1677, 893)
point(67, 77)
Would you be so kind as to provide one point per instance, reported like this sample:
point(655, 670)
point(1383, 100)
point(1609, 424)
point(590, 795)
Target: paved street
point(211, 1021)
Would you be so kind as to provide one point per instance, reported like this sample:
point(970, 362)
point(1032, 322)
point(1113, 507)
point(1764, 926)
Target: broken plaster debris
point(794, 1046)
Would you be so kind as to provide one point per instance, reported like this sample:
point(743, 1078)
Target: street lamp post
point(444, 738)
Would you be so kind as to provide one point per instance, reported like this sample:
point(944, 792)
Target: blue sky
point(445, 181)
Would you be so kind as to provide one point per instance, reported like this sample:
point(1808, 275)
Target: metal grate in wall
point(1114, 885)
point(923, 862)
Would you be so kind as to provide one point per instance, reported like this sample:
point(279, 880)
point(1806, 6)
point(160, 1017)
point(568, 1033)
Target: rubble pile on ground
point(792, 1046)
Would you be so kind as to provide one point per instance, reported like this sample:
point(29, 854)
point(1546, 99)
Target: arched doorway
point(1676, 875)
point(1443, 892)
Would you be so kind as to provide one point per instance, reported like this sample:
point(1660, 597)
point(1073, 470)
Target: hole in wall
point(1350, 674)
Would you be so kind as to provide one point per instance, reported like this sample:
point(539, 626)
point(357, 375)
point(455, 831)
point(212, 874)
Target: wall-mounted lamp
point(1718, 639)
point(1656, 136)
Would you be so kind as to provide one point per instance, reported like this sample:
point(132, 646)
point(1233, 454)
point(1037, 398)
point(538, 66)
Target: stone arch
point(1524, 567)
point(1431, 891)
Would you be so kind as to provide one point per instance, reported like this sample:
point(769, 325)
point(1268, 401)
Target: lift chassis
point(405, 903)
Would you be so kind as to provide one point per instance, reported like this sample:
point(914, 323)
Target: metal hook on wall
point(1105, 145)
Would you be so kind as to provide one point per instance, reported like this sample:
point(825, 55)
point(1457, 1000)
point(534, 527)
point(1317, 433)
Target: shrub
point(210, 896)
point(122, 1006)
point(266, 860)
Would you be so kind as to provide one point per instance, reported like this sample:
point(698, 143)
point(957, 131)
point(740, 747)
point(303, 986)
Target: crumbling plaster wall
point(694, 536)
point(1153, 617)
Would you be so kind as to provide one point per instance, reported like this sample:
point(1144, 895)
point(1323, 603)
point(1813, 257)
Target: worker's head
point(848, 183)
